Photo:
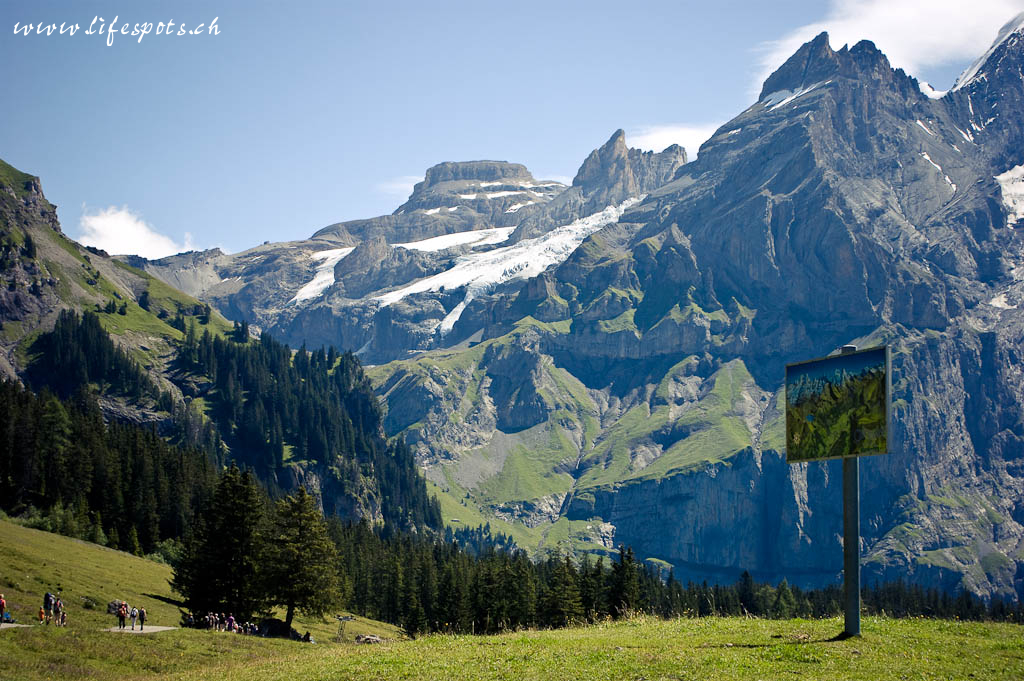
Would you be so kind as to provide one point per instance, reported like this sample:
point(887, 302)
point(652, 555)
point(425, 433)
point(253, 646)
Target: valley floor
point(705, 649)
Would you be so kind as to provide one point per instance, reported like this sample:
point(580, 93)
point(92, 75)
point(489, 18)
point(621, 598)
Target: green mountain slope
point(42, 272)
point(305, 419)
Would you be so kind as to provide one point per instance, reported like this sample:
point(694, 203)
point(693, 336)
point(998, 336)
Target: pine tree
point(745, 591)
point(561, 601)
point(221, 568)
point(301, 561)
point(624, 590)
point(785, 604)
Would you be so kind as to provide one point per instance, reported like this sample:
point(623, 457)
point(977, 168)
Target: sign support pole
point(851, 544)
point(851, 537)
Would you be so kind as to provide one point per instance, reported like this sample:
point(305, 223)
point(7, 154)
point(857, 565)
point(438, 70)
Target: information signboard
point(838, 406)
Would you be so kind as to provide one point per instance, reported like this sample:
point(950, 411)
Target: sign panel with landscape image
point(838, 406)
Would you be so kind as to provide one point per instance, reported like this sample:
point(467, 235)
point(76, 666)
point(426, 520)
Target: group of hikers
point(125, 612)
point(53, 610)
point(218, 622)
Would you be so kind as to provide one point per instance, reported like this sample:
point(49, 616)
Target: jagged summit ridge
point(816, 63)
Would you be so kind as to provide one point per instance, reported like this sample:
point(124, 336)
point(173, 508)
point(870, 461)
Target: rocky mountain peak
point(614, 172)
point(28, 191)
point(607, 160)
point(483, 171)
point(1011, 31)
point(988, 98)
point(814, 62)
point(485, 189)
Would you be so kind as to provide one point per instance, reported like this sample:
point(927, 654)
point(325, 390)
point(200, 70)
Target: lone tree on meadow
point(221, 570)
point(301, 562)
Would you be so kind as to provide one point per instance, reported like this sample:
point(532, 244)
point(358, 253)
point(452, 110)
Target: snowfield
point(1012, 183)
point(480, 237)
point(324, 277)
point(481, 272)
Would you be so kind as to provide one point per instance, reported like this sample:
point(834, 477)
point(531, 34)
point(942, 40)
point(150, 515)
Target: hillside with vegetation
point(93, 330)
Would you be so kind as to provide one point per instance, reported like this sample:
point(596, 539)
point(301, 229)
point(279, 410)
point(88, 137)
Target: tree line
point(250, 554)
point(79, 351)
point(318, 407)
point(121, 485)
point(265, 406)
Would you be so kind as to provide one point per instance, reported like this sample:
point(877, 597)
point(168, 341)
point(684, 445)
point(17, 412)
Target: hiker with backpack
point(122, 614)
point(134, 616)
point(142, 619)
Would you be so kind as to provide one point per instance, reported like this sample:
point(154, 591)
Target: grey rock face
point(844, 206)
point(987, 104)
point(615, 172)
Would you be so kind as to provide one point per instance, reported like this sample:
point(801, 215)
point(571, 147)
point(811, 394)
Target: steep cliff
point(843, 206)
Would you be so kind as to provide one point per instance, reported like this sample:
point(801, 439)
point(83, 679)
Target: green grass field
point(643, 648)
point(704, 649)
point(34, 562)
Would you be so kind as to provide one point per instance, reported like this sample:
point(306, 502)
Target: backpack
point(135, 612)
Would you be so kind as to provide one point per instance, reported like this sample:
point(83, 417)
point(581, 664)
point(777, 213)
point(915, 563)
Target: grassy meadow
point(89, 576)
point(645, 648)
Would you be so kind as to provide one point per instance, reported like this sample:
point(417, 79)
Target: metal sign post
point(341, 626)
point(851, 544)
point(851, 536)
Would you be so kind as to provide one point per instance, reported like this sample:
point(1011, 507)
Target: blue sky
point(298, 115)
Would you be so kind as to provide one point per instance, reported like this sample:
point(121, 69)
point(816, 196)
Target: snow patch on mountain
point(516, 206)
point(481, 272)
point(928, 158)
point(1000, 302)
point(493, 195)
point(480, 237)
point(324, 277)
point(1014, 25)
point(1012, 184)
point(925, 128)
point(931, 93)
point(781, 98)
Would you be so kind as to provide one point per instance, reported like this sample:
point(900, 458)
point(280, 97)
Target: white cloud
point(123, 232)
point(913, 34)
point(658, 137)
point(398, 187)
